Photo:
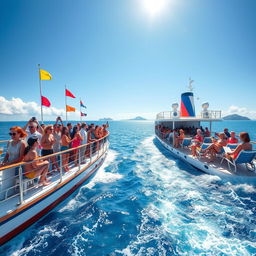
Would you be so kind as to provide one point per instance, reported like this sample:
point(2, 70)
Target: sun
point(154, 7)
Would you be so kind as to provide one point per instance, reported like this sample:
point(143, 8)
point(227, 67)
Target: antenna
point(190, 87)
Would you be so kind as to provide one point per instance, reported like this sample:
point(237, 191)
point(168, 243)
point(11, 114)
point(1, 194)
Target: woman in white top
point(14, 154)
point(15, 147)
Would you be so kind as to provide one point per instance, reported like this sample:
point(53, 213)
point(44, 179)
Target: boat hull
point(23, 219)
point(207, 168)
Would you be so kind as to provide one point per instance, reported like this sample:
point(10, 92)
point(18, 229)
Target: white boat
point(186, 118)
point(23, 201)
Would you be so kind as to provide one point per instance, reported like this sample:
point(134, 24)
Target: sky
point(126, 58)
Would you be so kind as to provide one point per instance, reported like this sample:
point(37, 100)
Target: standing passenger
point(83, 142)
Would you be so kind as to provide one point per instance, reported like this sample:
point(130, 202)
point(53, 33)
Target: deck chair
point(232, 146)
point(244, 157)
point(199, 150)
point(207, 140)
point(186, 142)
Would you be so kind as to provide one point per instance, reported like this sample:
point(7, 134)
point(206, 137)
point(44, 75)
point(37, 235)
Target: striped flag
point(82, 105)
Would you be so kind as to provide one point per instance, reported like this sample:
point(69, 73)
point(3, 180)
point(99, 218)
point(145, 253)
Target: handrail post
point(98, 148)
point(61, 168)
point(79, 159)
point(90, 152)
point(21, 184)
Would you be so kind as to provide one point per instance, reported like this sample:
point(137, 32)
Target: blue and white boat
point(242, 170)
point(23, 201)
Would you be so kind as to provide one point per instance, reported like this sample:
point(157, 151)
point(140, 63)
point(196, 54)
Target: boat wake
point(189, 211)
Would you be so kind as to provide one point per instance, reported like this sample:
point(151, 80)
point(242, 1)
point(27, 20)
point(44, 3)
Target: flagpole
point(40, 86)
point(66, 104)
point(80, 111)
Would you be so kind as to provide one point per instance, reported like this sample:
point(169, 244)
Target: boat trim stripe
point(37, 200)
point(36, 217)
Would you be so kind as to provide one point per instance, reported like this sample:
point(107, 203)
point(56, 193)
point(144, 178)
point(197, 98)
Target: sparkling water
point(143, 201)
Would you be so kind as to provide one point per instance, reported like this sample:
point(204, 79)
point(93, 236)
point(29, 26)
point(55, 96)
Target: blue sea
point(143, 201)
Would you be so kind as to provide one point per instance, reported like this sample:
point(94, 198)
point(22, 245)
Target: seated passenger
point(232, 139)
point(197, 141)
point(36, 168)
point(216, 146)
point(207, 133)
point(179, 139)
point(15, 147)
point(245, 145)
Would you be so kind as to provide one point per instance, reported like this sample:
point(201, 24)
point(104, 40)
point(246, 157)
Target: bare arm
point(26, 126)
point(237, 150)
point(40, 129)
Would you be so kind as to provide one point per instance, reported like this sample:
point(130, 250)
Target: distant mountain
point(106, 119)
point(138, 118)
point(236, 117)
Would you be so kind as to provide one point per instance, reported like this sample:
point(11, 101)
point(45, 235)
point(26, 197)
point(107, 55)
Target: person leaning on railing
point(77, 138)
point(15, 147)
point(36, 168)
point(65, 142)
point(47, 143)
point(91, 138)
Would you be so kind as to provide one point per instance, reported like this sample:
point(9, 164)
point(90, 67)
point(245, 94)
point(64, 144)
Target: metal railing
point(209, 114)
point(16, 181)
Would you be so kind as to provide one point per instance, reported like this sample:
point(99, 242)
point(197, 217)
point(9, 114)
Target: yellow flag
point(44, 75)
point(70, 109)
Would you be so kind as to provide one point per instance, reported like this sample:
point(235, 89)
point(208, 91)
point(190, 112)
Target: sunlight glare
point(155, 7)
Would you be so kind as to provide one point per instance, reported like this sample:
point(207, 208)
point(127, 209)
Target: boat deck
point(204, 163)
point(36, 191)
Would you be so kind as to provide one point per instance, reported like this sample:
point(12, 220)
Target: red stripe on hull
point(29, 222)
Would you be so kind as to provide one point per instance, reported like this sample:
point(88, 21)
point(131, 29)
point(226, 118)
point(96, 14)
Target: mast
point(40, 88)
point(66, 104)
point(80, 111)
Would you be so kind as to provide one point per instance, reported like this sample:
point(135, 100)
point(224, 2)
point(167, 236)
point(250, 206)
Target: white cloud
point(17, 109)
point(240, 111)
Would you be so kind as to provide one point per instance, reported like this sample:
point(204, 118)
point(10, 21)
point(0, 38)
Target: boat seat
point(207, 140)
point(244, 157)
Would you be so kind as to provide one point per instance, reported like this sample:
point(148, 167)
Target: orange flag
point(70, 109)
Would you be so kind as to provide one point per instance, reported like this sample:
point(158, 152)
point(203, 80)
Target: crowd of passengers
point(175, 137)
point(35, 140)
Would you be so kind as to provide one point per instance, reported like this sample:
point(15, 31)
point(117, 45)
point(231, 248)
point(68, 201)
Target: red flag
point(45, 102)
point(83, 114)
point(69, 94)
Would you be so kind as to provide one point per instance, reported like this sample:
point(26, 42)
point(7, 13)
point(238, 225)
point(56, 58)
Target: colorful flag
point(70, 109)
point(44, 75)
point(82, 105)
point(69, 94)
point(45, 102)
point(83, 114)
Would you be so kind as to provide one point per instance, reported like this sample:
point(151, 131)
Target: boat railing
point(16, 179)
point(209, 114)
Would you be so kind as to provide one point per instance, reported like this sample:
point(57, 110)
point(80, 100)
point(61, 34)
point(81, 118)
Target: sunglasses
point(30, 127)
point(12, 133)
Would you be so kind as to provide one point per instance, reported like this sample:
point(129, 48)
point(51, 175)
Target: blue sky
point(122, 60)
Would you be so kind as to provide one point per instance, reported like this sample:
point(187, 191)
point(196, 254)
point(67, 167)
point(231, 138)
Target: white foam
point(105, 177)
point(187, 222)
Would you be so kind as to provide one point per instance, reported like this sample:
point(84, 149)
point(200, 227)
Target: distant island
point(236, 117)
point(106, 119)
point(138, 118)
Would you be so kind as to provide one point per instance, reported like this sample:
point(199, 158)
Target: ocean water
point(143, 201)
